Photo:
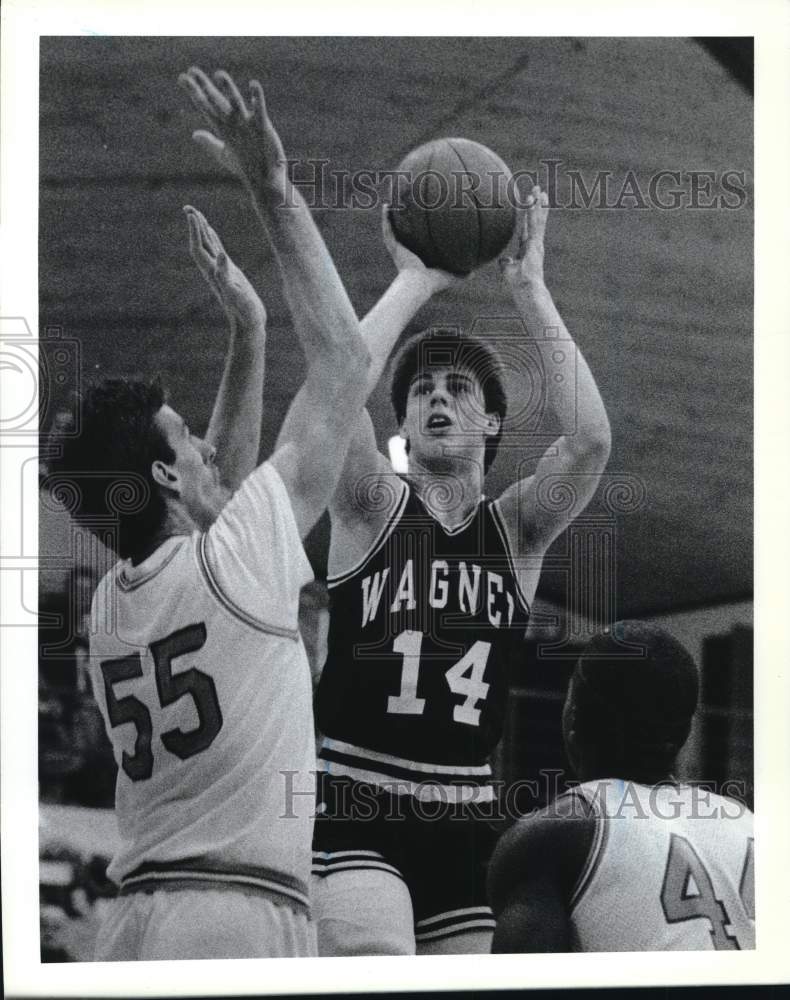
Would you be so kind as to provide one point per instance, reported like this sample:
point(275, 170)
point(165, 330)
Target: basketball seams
point(477, 207)
point(445, 232)
point(436, 252)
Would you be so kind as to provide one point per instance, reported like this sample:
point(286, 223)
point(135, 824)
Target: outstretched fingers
point(226, 84)
point(206, 248)
point(197, 246)
point(264, 122)
point(205, 95)
point(216, 149)
point(241, 137)
point(213, 246)
point(258, 103)
point(192, 227)
point(218, 102)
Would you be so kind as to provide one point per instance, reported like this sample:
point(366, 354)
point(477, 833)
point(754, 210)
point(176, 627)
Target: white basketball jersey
point(204, 685)
point(671, 869)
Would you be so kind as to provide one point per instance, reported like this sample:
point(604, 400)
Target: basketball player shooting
point(202, 679)
point(637, 862)
point(431, 586)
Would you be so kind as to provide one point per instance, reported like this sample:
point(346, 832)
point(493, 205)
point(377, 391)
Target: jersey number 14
point(465, 678)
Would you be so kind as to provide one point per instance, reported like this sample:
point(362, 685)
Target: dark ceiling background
point(660, 301)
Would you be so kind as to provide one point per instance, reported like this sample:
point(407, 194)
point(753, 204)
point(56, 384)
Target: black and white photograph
point(387, 502)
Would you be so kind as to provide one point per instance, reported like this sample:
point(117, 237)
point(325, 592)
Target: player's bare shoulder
point(558, 838)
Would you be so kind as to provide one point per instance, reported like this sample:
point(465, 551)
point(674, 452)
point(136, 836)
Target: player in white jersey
point(640, 862)
point(196, 660)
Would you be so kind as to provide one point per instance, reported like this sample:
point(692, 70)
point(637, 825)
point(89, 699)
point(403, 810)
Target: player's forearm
point(324, 319)
point(235, 426)
point(382, 326)
point(575, 405)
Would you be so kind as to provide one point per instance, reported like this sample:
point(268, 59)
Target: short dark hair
point(444, 347)
point(635, 710)
point(104, 473)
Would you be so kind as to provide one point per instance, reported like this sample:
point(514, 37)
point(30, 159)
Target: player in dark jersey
point(640, 862)
point(430, 588)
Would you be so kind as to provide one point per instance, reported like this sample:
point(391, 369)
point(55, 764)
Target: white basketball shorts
point(203, 923)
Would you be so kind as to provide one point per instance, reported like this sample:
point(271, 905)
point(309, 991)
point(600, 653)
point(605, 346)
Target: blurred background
point(645, 147)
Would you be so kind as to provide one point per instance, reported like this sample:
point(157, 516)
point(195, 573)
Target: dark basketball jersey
point(422, 634)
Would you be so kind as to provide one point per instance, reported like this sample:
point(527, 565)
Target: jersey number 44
point(688, 893)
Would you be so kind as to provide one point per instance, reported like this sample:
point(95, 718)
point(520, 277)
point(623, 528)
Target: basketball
point(453, 204)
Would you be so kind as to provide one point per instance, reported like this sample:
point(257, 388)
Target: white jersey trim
point(151, 880)
point(127, 584)
point(483, 924)
point(594, 854)
point(477, 771)
point(423, 791)
point(462, 525)
point(226, 602)
point(466, 911)
point(326, 863)
point(389, 526)
point(455, 922)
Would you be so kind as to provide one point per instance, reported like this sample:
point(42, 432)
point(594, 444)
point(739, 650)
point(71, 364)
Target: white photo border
point(23, 22)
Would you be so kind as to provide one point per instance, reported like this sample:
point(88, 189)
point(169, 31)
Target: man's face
point(194, 478)
point(445, 416)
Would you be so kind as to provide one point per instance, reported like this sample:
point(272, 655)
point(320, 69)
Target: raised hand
point(527, 266)
point(227, 281)
point(405, 260)
point(242, 138)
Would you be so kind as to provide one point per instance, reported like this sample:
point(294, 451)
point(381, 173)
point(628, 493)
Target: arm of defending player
point(578, 457)
point(315, 435)
point(235, 426)
point(526, 890)
point(413, 287)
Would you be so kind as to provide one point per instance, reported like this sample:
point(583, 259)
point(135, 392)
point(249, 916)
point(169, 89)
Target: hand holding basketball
point(406, 260)
point(526, 268)
point(453, 204)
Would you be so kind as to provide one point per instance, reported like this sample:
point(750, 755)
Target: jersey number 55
point(170, 687)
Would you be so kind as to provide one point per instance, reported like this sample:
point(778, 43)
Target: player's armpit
point(369, 487)
point(367, 497)
point(538, 508)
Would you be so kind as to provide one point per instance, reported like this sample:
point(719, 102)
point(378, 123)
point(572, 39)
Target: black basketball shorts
point(440, 850)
